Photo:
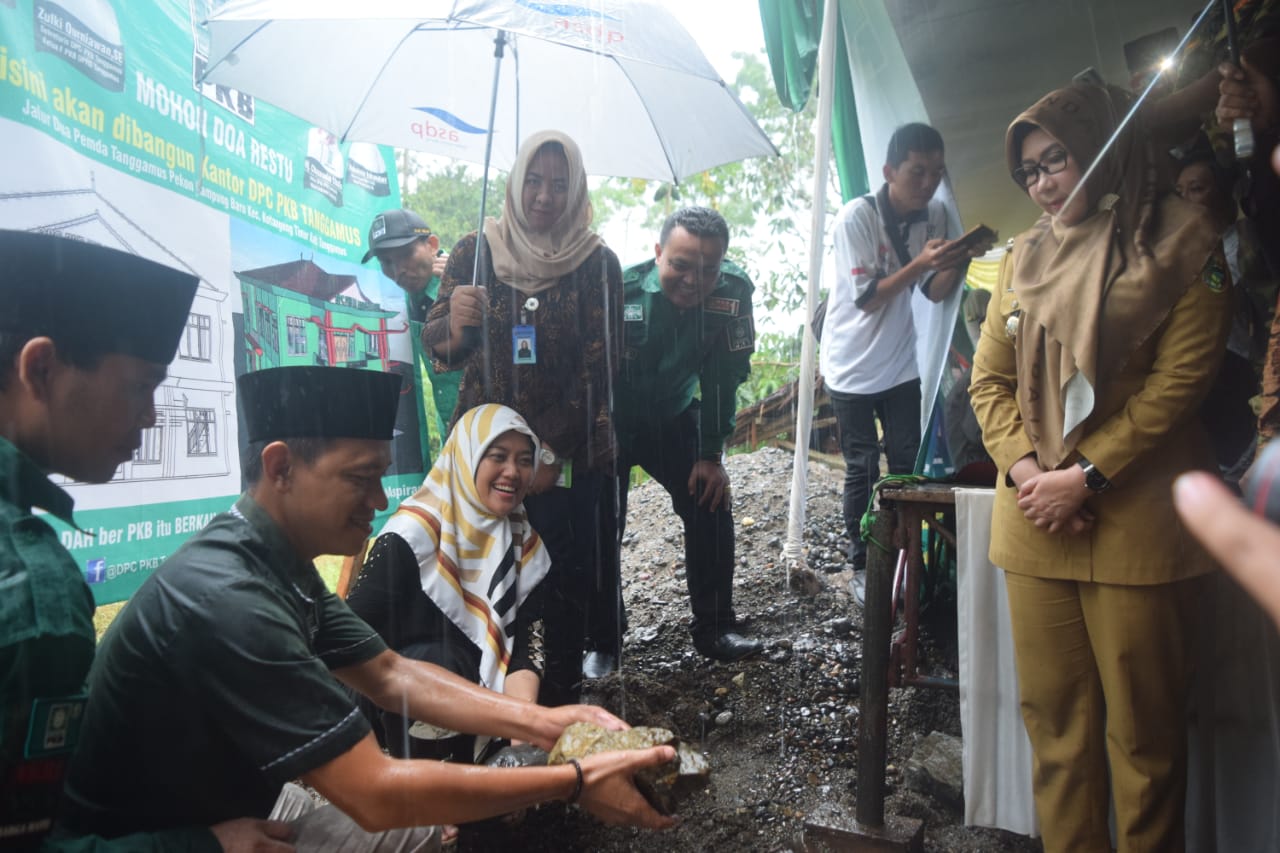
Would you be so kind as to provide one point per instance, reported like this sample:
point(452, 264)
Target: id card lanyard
point(524, 336)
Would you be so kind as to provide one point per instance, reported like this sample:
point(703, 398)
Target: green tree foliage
point(767, 201)
point(774, 364)
point(447, 196)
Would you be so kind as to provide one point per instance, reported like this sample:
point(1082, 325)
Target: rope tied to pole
point(869, 517)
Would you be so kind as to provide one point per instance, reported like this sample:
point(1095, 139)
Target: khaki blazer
point(1144, 431)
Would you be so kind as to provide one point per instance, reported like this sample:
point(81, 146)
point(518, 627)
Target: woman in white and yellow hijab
point(448, 578)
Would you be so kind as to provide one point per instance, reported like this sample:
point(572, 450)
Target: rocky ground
point(780, 730)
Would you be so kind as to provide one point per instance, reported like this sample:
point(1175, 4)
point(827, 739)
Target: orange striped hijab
point(477, 567)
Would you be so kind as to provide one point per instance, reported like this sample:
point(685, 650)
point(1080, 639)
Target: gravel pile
point(780, 730)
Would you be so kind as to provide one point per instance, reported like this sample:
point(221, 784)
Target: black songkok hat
point(319, 402)
point(90, 299)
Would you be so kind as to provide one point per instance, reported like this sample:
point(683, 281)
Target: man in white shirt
point(886, 246)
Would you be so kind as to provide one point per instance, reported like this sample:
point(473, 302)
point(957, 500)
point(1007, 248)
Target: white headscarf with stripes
point(477, 567)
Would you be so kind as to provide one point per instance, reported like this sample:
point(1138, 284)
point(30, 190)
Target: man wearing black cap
point(79, 365)
point(229, 662)
point(410, 255)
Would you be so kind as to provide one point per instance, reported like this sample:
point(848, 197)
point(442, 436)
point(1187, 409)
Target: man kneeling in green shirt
point(86, 334)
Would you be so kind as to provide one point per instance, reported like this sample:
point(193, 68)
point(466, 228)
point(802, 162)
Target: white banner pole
point(792, 553)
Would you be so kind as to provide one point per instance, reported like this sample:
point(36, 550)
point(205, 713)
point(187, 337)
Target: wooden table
point(886, 662)
point(913, 507)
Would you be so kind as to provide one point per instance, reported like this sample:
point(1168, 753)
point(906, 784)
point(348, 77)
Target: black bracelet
point(577, 786)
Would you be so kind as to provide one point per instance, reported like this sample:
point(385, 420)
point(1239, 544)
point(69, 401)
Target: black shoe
point(598, 664)
point(728, 647)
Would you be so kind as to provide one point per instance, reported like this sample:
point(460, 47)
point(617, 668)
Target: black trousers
point(606, 614)
point(898, 410)
point(576, 527)
point(667, 452)
point(395, 727)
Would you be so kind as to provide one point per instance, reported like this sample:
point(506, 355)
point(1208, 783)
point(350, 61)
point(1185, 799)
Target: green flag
point(792, 29)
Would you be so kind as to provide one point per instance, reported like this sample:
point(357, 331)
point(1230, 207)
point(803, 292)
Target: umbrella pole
point(1241, 129)
point(499, 43)
point(1233, 40)
point(1139, 102)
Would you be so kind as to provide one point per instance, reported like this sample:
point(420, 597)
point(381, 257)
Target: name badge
point(721, 305)
point(633, 313)
point(524, 345)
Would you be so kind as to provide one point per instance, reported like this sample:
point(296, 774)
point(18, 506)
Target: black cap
point(394, 228)
point(92, 299)
point(319, 402)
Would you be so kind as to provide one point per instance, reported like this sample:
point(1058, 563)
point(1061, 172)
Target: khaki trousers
point(1103, 673)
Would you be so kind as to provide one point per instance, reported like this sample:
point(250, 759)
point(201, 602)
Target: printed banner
point(108, 138)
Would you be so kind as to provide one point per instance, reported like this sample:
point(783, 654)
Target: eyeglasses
point(1053, 162)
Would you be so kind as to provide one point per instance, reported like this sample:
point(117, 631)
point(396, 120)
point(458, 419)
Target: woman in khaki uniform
point(1106, 332)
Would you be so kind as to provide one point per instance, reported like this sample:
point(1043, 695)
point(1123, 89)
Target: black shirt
point(213, 686)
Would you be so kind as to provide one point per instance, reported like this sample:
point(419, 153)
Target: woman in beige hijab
point(1106, 331)
point(549, 314)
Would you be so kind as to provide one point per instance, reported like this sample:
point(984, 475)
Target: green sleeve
point(720, 381)
point(722, 373)
point(192, 840)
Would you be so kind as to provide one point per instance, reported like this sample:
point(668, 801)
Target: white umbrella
point(621, 77)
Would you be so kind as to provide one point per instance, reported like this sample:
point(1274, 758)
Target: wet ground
point(780, 730)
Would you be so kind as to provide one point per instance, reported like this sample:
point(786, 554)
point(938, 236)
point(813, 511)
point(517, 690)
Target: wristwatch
point(1094, 479)
point(547, 456)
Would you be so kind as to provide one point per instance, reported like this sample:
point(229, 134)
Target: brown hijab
point(529, 262)
point(1090, 294)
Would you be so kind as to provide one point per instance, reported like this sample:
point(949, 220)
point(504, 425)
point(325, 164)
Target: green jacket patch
point(1214, 275)
point(741, 335)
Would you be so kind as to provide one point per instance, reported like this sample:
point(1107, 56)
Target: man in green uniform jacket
point(409, 254)
point(224, 677)
point(79, 365)
point(687, 326)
